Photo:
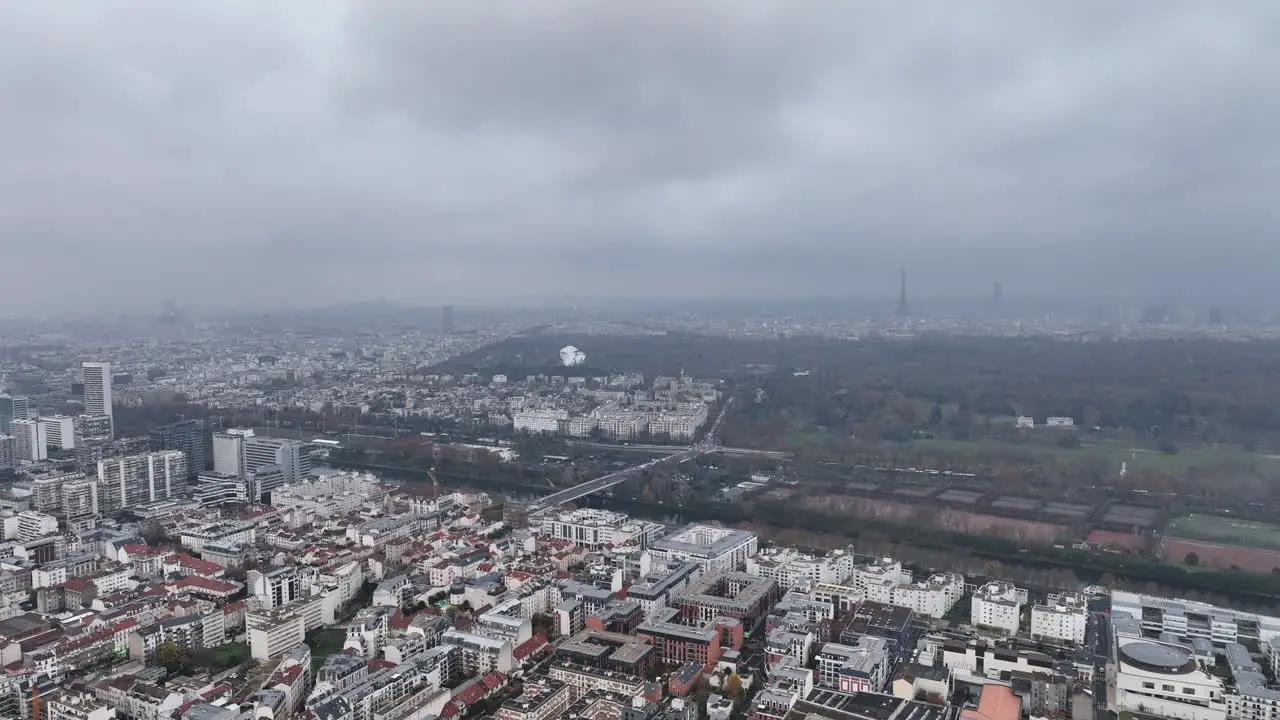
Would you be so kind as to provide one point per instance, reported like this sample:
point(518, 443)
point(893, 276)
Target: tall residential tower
point(97, 390)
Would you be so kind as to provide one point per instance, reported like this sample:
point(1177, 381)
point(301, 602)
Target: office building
point(186, 436)
point(228, 451)
point(215, 488)
point(1160, 678)
point(97, 390)
point(263, 482)
point(13, 408)
point(31, 444)
point(92, 428)
point(1187, 619)
point(8, 452)
point(289, 455)
point(59, 431)
point(998, 605)
point(714, 548)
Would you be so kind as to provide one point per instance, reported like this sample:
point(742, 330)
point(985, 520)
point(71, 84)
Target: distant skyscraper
point(184, 435)
point(97, 390)
point(8, 452)
point(446, 320)
point(902, 295)
point(997, 291)
point(13, 408)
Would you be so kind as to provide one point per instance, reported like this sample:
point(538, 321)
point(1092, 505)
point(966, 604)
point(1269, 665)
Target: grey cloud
point(281, 152)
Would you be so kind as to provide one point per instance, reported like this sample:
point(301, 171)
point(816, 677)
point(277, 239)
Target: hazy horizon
point(246, 154)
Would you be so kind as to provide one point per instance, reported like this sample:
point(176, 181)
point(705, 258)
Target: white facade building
point(97, 390)
point(598, 529)
point(228, 451)
point(792, 569)
point(998, 604)
point(1062, 617)
point(1162, 679)
point(714, 548)
point(32, 525)
point(538, 421)
point(59, 431)
point(31, 445)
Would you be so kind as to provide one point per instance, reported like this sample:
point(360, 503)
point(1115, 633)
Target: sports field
point(1226, 531)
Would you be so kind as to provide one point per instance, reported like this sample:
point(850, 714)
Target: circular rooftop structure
point(1158, 658)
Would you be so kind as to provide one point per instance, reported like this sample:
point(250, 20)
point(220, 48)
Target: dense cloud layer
point(292, 153)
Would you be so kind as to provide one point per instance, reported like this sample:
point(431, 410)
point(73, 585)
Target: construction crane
point(435, 484)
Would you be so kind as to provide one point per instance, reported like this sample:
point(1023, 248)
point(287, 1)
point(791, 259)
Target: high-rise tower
point(97, 390)
point(446, 320)
point(902, 295)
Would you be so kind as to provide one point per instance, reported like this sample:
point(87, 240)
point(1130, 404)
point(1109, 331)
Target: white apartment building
point(97, 390)
point(622, 424)
point(32, 446)
point(219, 533)
point(714, 548)
point(998, 605)
point(32, 525)
point(228, 451)
point(481, 654)
point(792, 569)
point(598, 529)
point(538, 421)
point(59, 431)
point(1249, 698)
point(273, 632)
point(884, 572)
point(933, 597)
point(1063, 617)
point(135, 479)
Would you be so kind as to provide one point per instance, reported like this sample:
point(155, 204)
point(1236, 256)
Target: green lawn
point(1226, 531)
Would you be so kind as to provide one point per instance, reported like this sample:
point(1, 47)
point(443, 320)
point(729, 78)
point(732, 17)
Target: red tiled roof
point(494, 680)
point(529, 647)
point(201, 582)
point(203, 567)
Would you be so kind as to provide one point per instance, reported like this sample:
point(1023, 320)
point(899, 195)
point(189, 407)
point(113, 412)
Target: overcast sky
point(242, 152)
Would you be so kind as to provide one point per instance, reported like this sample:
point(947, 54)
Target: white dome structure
point(571, 356)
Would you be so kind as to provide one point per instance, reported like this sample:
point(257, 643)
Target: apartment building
point(861, 667)
point(998, 605)
point(598, 529)
point(792, 569)
point(740, 596)
point(1063, 617)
